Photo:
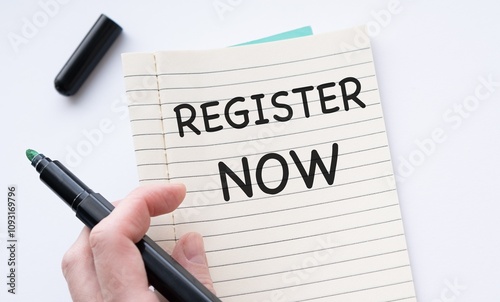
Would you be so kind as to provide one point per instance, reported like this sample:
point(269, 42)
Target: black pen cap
point(90, 51)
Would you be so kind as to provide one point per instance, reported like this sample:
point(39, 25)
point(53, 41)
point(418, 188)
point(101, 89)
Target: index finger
point(135, 211)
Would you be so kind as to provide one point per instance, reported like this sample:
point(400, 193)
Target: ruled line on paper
point(285, 194)
point(264, 80)
point(270, 227)
point(308, 251)
point(277, 150)
point(323, 281)
point(226, 142)
point(363, 289)
point(328, 264)
point(251, 67)
point(279, 135)
point(302, 237)
point(250, 82)
point(312, 101)
point(290, 208)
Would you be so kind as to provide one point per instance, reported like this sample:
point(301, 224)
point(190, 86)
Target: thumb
point(190, 253)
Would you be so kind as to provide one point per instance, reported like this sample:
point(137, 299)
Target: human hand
point(105, 265)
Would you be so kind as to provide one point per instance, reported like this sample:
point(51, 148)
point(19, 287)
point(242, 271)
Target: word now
point(246, 185)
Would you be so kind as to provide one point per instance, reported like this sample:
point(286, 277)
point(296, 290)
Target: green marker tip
point(30, 154)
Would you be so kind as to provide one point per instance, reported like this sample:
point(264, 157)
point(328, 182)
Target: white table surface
point(433, 59)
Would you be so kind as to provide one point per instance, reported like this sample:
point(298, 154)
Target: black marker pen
point(167, 276)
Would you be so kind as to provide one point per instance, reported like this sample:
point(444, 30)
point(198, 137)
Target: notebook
point(283, 149)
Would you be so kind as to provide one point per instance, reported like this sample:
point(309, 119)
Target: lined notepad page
point(340, 242)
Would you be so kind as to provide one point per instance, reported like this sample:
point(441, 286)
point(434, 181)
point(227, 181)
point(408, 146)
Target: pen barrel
point(169, 278)
point(61, 181)
point(92, 209)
